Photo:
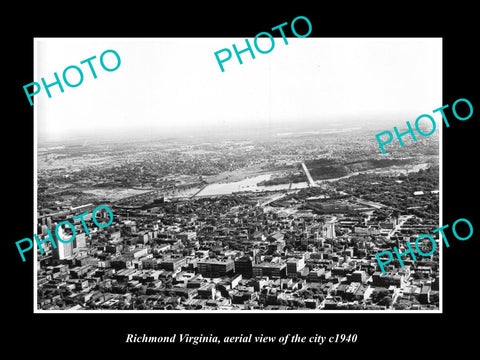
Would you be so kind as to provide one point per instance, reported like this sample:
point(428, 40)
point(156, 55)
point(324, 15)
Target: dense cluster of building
point(301, 249)
point(171, 248)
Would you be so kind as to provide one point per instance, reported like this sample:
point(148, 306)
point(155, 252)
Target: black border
point(52, 334)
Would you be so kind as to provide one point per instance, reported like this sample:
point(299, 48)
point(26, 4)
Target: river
point(248, 184)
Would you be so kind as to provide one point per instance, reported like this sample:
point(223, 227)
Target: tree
point(418, 275)
point(379, 293)
point(434, 297)
point(355, 307)
point(282, 302)
point(385, 301)
point(301, 304)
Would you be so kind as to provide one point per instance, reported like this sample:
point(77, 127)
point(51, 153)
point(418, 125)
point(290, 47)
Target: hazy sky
point(175, 84)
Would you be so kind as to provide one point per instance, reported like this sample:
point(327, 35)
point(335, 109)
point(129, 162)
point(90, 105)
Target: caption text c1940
point(250, 338)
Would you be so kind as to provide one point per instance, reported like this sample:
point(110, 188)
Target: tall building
point(63, 250)
point(357, 276)
point(274, 270)
point(172, 264)
point(294, 265)
point(276, 241)
point(329, 230)
point(187, 235)
point(216, 268)
point(256, 256)
point(243, 265)
point(80, 241)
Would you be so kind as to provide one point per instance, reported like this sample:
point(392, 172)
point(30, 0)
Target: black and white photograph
point(260, 188)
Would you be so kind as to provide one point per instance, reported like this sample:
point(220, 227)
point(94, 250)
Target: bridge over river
point(311, 183)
